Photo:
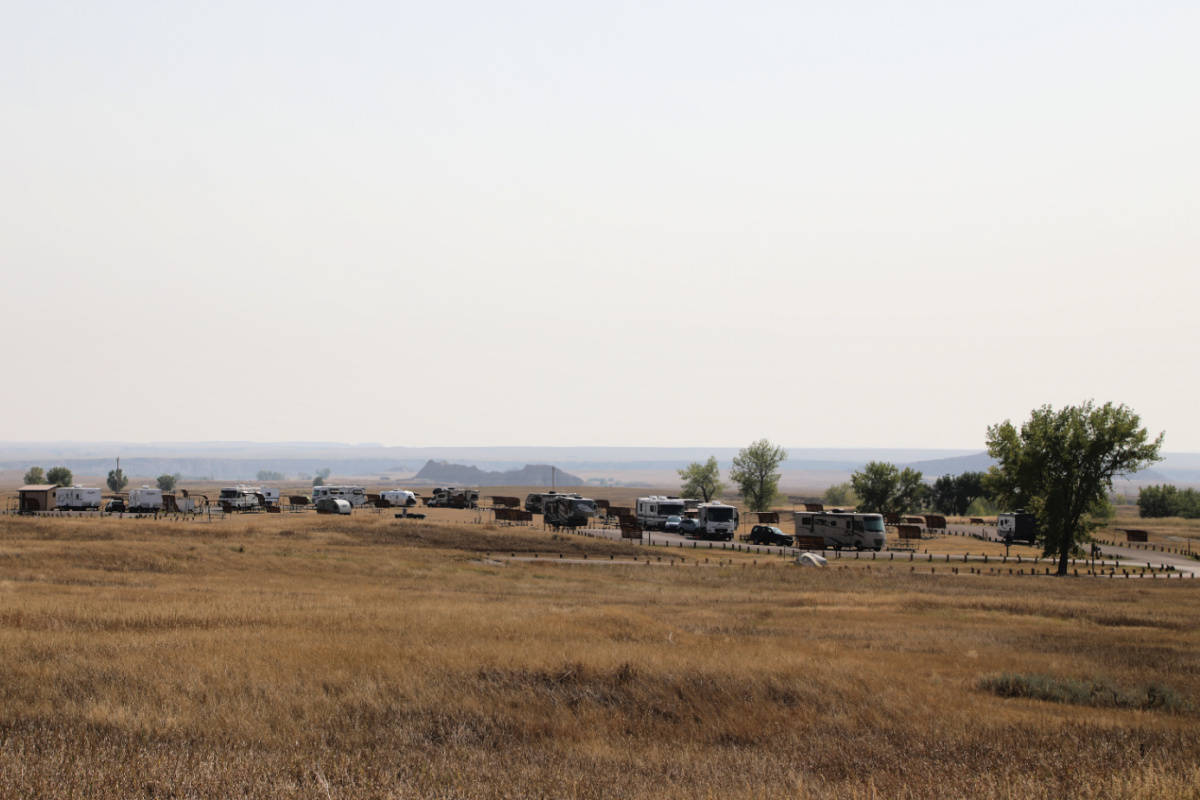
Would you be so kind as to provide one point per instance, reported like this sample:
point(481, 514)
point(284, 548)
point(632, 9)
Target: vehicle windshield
point(873, 524)
point(230, 493)
point(674, 519)
point(720, 514)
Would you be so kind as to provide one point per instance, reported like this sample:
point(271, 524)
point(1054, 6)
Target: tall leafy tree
point(754, 472)
point(701, 480)
point(884, 488)
point(167, 482)
point(116, 478)
point(953, 494)
point(35, 475)
point(1061, 463)
point(60, 476)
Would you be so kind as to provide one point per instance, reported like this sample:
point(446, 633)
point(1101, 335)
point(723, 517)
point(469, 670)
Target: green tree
point(840, 494)
point(884, 488)
point(167, 482)
point(272, 475)
point(60, 476)
point(1060, 466)
point(953, 494)
point(35, 475)
point(701, 480)
point(116, 479)
point(754, 471)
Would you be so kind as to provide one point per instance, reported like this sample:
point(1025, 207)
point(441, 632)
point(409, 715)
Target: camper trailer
point(77, 498)
point(534, 501)
point(269, 495)
point(332, 505)
point(565, 511)
point(398, 498)
point(145, 501)
point(715, 521)
point(451, 497)
point(354, 495)
point(652, 511)
point(1014, 526)
point(840, 529)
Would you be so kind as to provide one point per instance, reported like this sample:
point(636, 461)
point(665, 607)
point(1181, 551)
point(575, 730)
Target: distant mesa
point(528, 475)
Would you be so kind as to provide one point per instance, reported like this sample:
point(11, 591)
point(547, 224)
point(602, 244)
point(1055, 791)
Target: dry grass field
point(300, 656)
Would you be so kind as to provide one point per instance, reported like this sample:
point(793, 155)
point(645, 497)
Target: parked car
point(672, 524)
point(769, 534)
point(689, 526)
point(115, 507)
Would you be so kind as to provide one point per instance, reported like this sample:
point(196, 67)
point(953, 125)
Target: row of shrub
point(1168, 501)
point(1151, 697)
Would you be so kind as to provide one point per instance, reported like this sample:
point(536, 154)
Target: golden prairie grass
point(319, 657)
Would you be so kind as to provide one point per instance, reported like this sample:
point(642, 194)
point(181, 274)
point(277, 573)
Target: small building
point(36, 497)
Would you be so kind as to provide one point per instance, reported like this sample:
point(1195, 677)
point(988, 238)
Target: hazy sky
point(651, 223)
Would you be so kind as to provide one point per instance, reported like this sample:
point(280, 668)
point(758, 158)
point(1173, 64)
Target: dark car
point(769, 534)
point(115, 507)
point(689, 526)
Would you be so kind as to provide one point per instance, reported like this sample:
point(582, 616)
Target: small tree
point(272, 475)
point(60, 476)
point(167, 482)
point(116, 479)
point(884, 488)
point(1060, 465)
point(840, 494)
point(754, 471)
point(35, 475)
point(703, 480)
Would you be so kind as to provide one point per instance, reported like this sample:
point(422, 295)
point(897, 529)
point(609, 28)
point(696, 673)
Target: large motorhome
point(841, 529)
point(1014, 526)
point(145, 500)
point(652, 511)
point(716, 521)
point(535, 501)
point(239, 498)
point(77, 498)
point(399, 498)
point(354, 495)
point(566, 511)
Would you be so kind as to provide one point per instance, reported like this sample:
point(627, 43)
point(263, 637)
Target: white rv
point(144, 500)
point(399, 498)
point(77, 498)
point(716, 521)
point(239, 498)
point(270, 495)
point(840, 529)
point(354, 495)
point(652, 511)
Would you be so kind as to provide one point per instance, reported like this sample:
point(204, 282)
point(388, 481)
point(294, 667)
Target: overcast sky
point(651, 223)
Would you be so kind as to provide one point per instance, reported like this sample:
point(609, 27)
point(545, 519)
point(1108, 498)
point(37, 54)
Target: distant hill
point(528, 475)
